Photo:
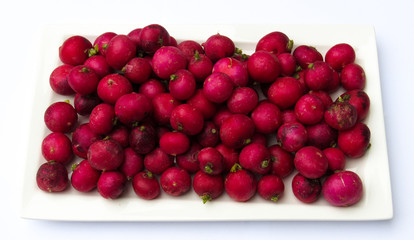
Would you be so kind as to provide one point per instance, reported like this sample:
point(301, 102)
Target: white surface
point(21, 22)
point(372, 167)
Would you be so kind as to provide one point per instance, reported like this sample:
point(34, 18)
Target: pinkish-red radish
point(275, 42)
point(152, 88)
point(120, 133)
point(287, 64)
point(105, 155)
point(256, 158)
point(285, 92)
point(113, 86)
point(201, 103)
point(306, 55)
point(137, 70)
point(360, 100)
point(52, 177)
point(101, 42)
point(82, 138)
point(210, 161)
point(60, 117)
point(218, 87)
point(218, 46)
point(209, 136)
point(237, 131)
point(146, 185)
point(300, 76)
point(306, 190)
point(133, 163)
point(353, 77)
point(175, 181)
point(230, 156)
point(234, 69)
point(208, 186)
point(311, 162)
point(288, 115)
point(152, 37)
point(102, 119)
point(187, 119)
point(324, 96)
point(243, 100)
point(182, 84)
point(341, 115)
point(340, 55)
point(111, 184)
point(200, 66)
point(343, 189)
point(158, 161)
point(292, 136)
point(281, 161)
point(190, 47)
point(163, 105)
point(84, 177)
point(271, 187)
point(99, 65)
point(318, 75)
point(83, 79)
point(321, 135)
point(167, 60)
point(174, 143)
point(84, 104)
point(355, 142)
point(120, 50)
point(57, 147)
point(58, 80)
point(132, 107)
point(188, 160)
point(240, 184)
point(74, 50)
point(134, 36)
point(335, 82)
point(143, 138)
point(309, 109)
point(336, 159)
point(263, 67)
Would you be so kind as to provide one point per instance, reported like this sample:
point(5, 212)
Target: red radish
point(111, 184)
point(163, 105)
point(200, 66)
point(360, 100)
point(182, 84)
point(234, 69)
point(309, 109)
point(340, 55)
point(58, 80)
point(210, 161)
point(152, 88)
point(335, 82)
point(221, 115)
point(292, 136)
point(132, 107)
point(321, 135)
point(336, 159)
point(137, 70)
point(120, 133)
point(353, 77)
point(84, 104)
point(133, 163)
point(341, 115)
point(306, 55)
point(202, 104)
point(218, 87)
point(208, 186)
point(187, 119)
point(243, 100)
point(74, 50)
point(355, 141)
point(57, 147)
point(263, 67)
point(99, 65)
point(134, 36)
point(52, 177)
point(167, 60)
point(102, 119)
point(275, 42)
point(300, 76)
point(152, 37)
point(240, 184)
point(60, 117)
point(281, 161)
point(285, 92)
point(105, 155)
point(218, 46)
point(82, 138)
point(175, 181)
point(260, 139)
point(101, 42)
point(237, 131)
point(158, 161)
point(256, 158)
point(112, 87)
point(174, 143)
point(120, 50)
point(143, 139)
point(324, 96)
point(190, 47)
point(305, 189)
point(230, 157)
point(173, 42)
point(271, 187)
point(343, 189)
point(188, 160)
point(83, 79)
point(287, 64)
point(318, 75)
point(146, 185)
point(311, 162)
point(84, 177)
point(209, 136)
point(288, 115)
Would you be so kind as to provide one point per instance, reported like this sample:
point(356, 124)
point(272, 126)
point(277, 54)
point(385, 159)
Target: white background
point(21, 23)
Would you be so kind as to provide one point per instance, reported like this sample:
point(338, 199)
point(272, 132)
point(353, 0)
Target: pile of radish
point(180, 116)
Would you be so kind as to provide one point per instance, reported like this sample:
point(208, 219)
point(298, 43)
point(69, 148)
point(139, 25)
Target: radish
point(143, 139)
point(163, 105)
point(84, 177)
point(305, 189)
point(74, 50)
point(132, 108)
point(360, 100)
point(200, 66)
point(209, 136)
point(190, 47)
point(60, 117)
point(52, 177)
point(102, 119)
point(321, 135)
point(343, 189)
point(234, 69)
point(146, 185)
point(336, 159)
point(57, 147)
point(200, 102)
point(112, 87)
point(309, 109)
point(182, 84)
point(175, 181)
point(120, 50)
point(311, 162)
point(158, 161)
point(243, 100)
point(263, 67)
point(167, 60)
point(230, 156)
point(281, 161)
point(84, 104)
point(218, 87)
point(105, 155)
point(133, 163)
point(340, 55)
point(152, 37)
point(137, 70)
point(174, 143)
point(210, 161)
point(237, 131)
point(318, 75)
point(353, 77)
point(151, 88)
point(355, 142)
point(292, 136)
point(341, 115)
point(120, 133)
point(187, 119)
point(83, 79)
point(99, 64)
point(240, 184)
point(275, 42)
point(82, 138)
point(58, 80)
point(218, 46)
point(188, 160)
point(285, 92)
point(111, 184)
point(271, 187)
point(256, 158)
point(101, 43)
point(306, 55)
point(208, 186)
point(287, 64)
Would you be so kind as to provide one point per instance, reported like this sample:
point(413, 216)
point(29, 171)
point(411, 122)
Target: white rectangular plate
point(71, 205)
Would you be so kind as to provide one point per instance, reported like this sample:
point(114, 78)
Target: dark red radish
point(209, 136)
point(336, 159)
point(221, 115)
point(187, 119)
point(84, 104)
point(120, 50)
point(318, 75)
point(82, 138)
point(163, 105)
point(341, 115)
point(58, 80)
point(306, 190)
point(158, 161)
point(137, 70)
point(240, 184)
point(260, 139)
point(200, 66)
point(174, 143)
point(152, 37)
point(188, 160)
point(264, 67)
point(281, 161)
point(152, 88)
point(120, 133)
point(218, 46)
point(52, 177)
point(340, 55)
point(60, 117)
point(360, 100)
point(288, 115)
point(182, 84)
point(271, 187)
point(208, 186)
point(306, 55)
point(102, 119)
point(57, 147)
point(353, 77)
point(84, 177)
point(218, 87)
point(202, 104)
point(167, 60)
point(83, 79)
point(105, 155)
point(292, 136)
point(146, 185)
point(175, 181)
point(132, 108)
point(111, 184)
point(287, 64)
point(101, 42)
point(256, 158)
point(99, 64)
point(237, 131)
point(275, 42)
point(112, 87)
point(343, 189)
point(143, 138)
point(311, 162)
point(243, 100)
point(74, 50)
point(321, 135)
point(133, 163)
point(190, 47)
point(309, 109)
point(210, 161)
point(230, 156)
point(355, 142)
point(285, 92)
point(234, 69)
